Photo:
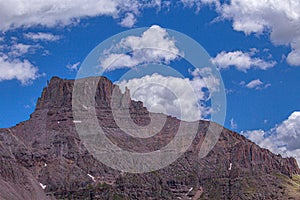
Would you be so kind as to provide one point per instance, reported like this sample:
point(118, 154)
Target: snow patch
point(85, 107)
point(189, 191)
point(77, 121)
point(92, 177)
point(230, 167)
point(43, 186)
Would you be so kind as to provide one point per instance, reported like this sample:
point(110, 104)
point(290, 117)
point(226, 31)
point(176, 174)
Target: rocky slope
point(44, 158)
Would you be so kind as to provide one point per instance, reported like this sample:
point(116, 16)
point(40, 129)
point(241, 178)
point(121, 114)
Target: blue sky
point(256, 47)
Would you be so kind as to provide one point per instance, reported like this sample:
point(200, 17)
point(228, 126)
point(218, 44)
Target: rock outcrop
point(44, 157)
point(16, 181)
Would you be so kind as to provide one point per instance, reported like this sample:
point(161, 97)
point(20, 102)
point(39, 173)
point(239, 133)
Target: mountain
point(45, 158)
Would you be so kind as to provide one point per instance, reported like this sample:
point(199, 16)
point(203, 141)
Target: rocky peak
point(58, 93)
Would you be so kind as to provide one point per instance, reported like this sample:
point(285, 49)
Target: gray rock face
point(47, 149)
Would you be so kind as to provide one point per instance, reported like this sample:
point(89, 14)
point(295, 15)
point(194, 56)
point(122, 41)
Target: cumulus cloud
point(283, 139)
point(15, 13)
point(281, 19)
point(153, 46)
point(179, 97)
point(14, 66)
point(23, 71)
point(242, 61)
point(42, 36)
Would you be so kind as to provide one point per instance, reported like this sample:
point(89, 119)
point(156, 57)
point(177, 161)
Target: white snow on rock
point(230, 167)
point(189, 191)
point(43, 186)
point(93, 178)
point(85, 107)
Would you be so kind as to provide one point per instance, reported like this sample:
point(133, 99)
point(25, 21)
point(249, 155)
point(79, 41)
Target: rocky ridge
point(44, 158)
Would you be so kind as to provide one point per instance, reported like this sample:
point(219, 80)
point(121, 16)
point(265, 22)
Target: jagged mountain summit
point(44, 158)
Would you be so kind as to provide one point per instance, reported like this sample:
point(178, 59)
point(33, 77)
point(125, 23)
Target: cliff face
point(16, 182)
point(46, 149)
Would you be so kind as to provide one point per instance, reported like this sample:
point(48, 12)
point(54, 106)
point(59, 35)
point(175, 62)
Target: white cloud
point(283, 139)
point(73, 67)
point(256, 84)
point(16, 50)
point(23, 71)
point(128, 21)
point(203, 78)
point(233, 124)
point(12, 64)
point(153, 46)
point(199, 3)
point(241, 61)
point(16, 13)
point(193, 3)
point(294, 57)
point(19, 49)
point(179, 97)
point(281, 19)
point(42, 36)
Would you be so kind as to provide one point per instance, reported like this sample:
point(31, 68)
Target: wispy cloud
point(73, 67)
point(256, 84)
point(198, 4)
point(19, 49)
point(233, 124)
point(128, 21)
point(42, 36)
